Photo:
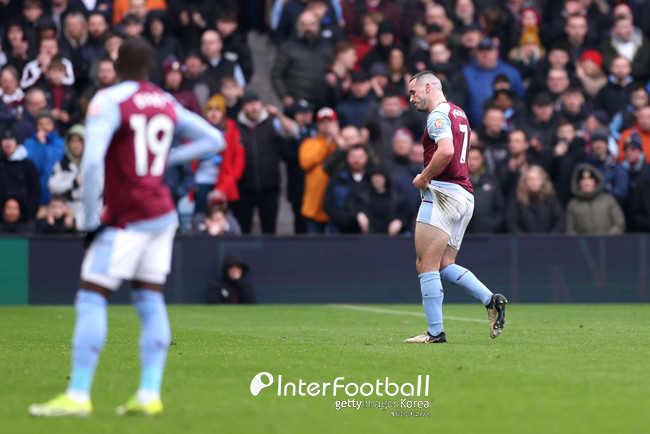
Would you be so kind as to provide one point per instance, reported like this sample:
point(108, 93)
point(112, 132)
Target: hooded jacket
point(19, 178)
point(594, 213)
point(227, 290)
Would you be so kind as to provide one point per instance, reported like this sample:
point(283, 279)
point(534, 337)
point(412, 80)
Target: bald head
point(308, 24)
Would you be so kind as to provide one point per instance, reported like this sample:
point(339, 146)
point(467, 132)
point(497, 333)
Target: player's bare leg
point(155, 338)
point(453, 274)
point(430, 243)
point(87, 343)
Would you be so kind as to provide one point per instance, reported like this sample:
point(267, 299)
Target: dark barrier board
point(373, 269)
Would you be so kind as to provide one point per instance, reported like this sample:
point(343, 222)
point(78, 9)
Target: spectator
point(626, 118)
point(25, 126)
point(93, 49)
point(589, 70)
point(112, 42)
point(62, 98)
point(66, 180)
point(535, 208)
point(638, 172)
point(592, 211)
point(172, 76)
point(59, 219)
point(218, 65)
point(557, 82)
point(45, 148)
point(470, 36)
point(342, 186)
point(615, 177)
point(368, 39)
point(14, 218)
point(190, 19)
point(380, 209)
point(627, 41)
point(540, 127)
point(59, 9)
point(195, 79)
point(157, 31)
point(12, 96)
point(303, 113)
point(513, 108)
point(382, 122)
point(216, 201)
point(105, 77)
point(353, 109)
point(335, 82)
point(386, 40)
point(75, 34)
point(520, 156)
point(576, 36)
point(299, 61)
point(215, 222)
point(137, 7)
point(568, 151)
point(402, 171)
point(573, 107)
point(33, 73)
point(233, 287)
point(409, 19)
point(494, 138)
point(355, 10)
point(259, 186)
point(290, 15)
point(17, 46)
point(398, 72)
point(330, 30)
point(232, 92)
point(235, 43)
point(351, 136)
point(18, 175)
point(643, 131)
point(312, 154)
point(233, 158)
point(614, 95)
point(527, 55)
point(479, 76)
point(489, 206)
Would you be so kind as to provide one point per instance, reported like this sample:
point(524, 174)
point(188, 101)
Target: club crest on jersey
point(458, 113)
point(438, 123)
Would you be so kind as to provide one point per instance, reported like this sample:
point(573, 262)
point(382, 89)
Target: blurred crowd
point(556, 92)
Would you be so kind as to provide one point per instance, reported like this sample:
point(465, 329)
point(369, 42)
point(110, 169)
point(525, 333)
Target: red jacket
point(233, 163)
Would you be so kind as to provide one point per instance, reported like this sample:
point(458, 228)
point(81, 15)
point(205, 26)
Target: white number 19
point(155, 136)
point(463, 153)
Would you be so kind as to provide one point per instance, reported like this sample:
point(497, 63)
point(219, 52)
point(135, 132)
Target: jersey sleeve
point(203, 138)
point(439, 126)
point(102, 120)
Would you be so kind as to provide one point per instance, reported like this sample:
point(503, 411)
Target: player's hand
point(420, 182)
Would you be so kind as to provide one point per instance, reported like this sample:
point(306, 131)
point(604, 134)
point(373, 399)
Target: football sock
point(155, 338)
point(87, 342)
point(432, 296)
point(456, 275)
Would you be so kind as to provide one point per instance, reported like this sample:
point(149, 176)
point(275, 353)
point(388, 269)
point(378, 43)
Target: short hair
point(55, 64)
point(33, 4)
point(135, 59)
point(564, 122)
point(433, 79)
point(519, 130)
point(341, 47)
point(573, 89)
point(130, 19)
point(11, 70)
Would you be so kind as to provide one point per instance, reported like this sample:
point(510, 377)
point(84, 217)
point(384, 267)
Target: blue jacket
point(45, 156)
point(479, 86)
point(616, 177)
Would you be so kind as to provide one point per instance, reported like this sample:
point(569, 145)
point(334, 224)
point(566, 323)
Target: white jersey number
point(463, 153)
point(155, 136)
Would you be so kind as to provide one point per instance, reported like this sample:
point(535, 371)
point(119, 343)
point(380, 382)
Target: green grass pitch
point(555, 369)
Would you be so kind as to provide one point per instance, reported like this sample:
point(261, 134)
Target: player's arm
point(439, 129)
point(203, 138)
point(102, 120)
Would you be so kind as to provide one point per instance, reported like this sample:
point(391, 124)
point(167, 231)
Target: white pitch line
point(399, 312)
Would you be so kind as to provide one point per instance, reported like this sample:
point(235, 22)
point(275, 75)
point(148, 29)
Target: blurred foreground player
point(446, 209)
point(130, 127)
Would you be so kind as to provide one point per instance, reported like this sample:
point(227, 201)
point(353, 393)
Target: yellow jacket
point(311, 155)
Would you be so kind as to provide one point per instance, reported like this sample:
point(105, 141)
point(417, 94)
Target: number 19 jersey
point(143, 119)
point(449, 121)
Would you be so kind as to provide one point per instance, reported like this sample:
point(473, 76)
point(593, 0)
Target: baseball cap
point(469, 28)
point(8, 134)
point(487, 44)
point(326, 113)
point(634, 141)
point(249, 96)
point(301, 106)
point(171, 65)
point(599, 134)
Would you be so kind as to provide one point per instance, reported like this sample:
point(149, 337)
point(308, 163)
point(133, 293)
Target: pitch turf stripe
point(399, 312)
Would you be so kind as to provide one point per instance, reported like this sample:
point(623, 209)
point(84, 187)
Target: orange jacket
point(311, 155)
point(121, 7)
point(645, 143)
